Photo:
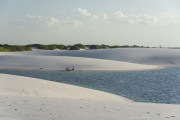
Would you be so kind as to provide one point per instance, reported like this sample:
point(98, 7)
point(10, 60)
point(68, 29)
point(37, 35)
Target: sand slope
point(61, 62)
point(23, 98)
point(25, 86)
point(151, 56)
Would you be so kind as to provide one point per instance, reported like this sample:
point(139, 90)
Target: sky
point(113, 22)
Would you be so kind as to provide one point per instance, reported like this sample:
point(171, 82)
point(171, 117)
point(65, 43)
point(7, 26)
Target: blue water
point(155, 86)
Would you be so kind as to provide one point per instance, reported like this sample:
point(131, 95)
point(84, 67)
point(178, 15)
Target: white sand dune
point(61, 62)
point(25, 86)
point(23, 98)
point(151, 56)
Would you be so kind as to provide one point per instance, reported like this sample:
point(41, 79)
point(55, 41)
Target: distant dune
point(150, 56)
point(61, 62)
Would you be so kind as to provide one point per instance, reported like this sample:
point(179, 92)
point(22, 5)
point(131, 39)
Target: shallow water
point(156, 86)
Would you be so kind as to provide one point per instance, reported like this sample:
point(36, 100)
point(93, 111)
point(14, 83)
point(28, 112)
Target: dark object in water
point(68, 69)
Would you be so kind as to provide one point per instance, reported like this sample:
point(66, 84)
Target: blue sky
point(114, 22)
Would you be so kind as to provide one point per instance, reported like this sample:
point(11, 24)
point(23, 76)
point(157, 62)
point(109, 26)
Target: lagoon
point(154, 86)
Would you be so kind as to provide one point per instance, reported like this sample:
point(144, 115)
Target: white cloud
point(37, 23)
point(51, 25)
point(42, 23)
point(84, 25)
point(156, 19)
point(94, 17)
point(119, 14)
point(46, 20)
point(169, 18)
point(105, 16)
point(53, 22)
point(143, 19)
point(86, 13)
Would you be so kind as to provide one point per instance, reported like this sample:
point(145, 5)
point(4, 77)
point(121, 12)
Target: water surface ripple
point(156, 86)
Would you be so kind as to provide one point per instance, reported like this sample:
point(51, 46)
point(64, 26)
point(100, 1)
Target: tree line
point(14, 48)
point(80, 46)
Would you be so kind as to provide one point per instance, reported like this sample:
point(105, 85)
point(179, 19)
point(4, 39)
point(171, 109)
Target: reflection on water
point(157, 86)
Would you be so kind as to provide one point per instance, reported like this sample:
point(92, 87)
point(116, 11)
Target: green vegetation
point(14, 48)
point(48, 47)
point(77, 47)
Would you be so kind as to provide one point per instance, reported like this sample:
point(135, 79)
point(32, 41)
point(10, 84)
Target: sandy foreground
point(23, 98)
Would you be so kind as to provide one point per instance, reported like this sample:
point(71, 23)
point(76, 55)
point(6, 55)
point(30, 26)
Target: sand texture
point(23, 98)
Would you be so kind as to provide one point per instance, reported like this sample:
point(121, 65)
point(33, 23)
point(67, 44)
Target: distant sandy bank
point(61, 62)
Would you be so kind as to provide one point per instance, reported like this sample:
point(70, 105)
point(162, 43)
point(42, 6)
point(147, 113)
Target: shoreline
point(30, 98)
point(73, 84)
point(158, 67)
point(25, 79)
point(22, 84)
